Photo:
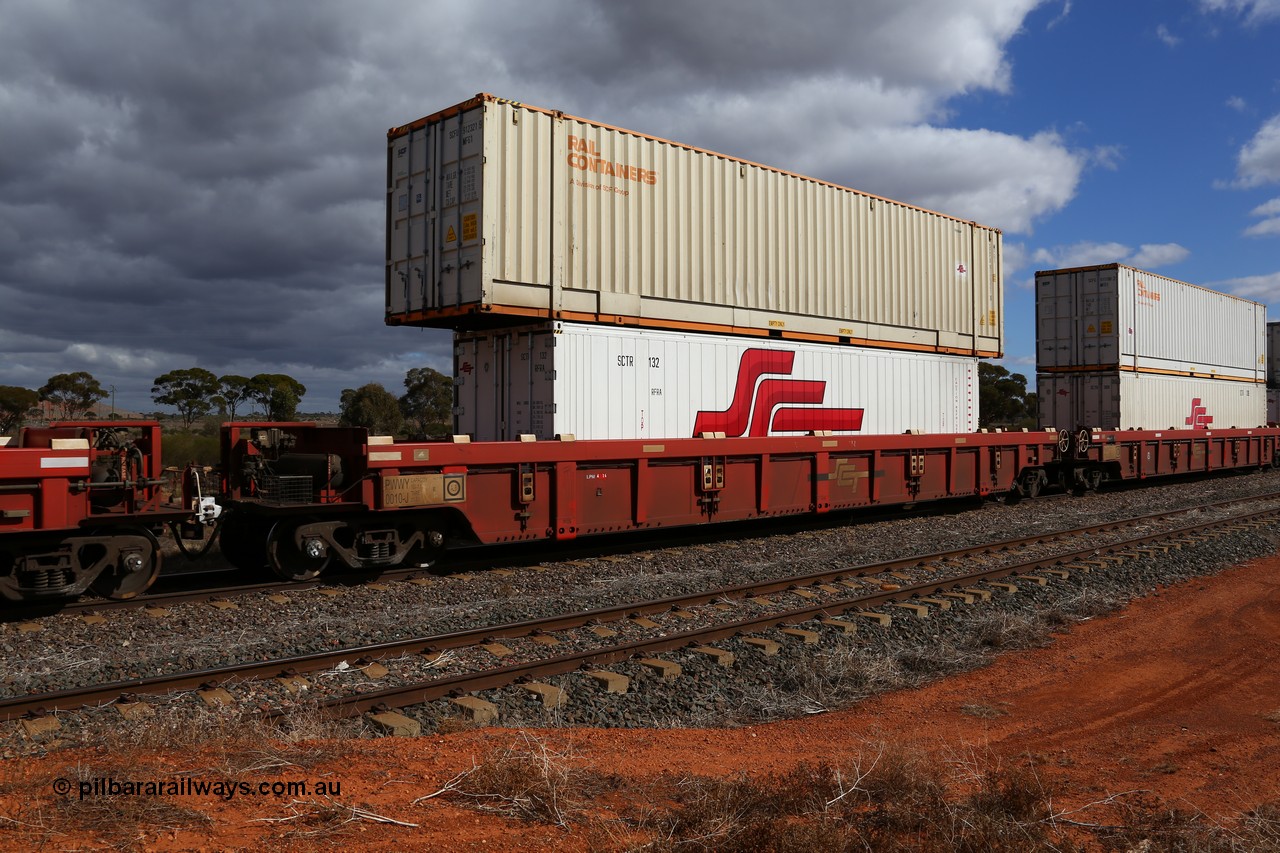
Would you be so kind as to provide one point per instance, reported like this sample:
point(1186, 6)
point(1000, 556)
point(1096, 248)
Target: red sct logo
point(761, 403)
point(1200, 418)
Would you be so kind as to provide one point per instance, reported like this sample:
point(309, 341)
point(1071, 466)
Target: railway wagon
point(80, 507)
point(1087, 458)
point(300, 497)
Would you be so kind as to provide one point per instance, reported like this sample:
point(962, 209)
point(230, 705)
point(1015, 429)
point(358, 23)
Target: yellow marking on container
point(451, 236)
point(470, 227)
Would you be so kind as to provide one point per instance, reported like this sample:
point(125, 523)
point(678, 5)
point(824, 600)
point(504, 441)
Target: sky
point(203, 184)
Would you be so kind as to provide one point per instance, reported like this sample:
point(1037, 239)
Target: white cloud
point(1264, 288)
point(1107, 157)
point(1265, 228)
point(1155, 255)
point(1147, 256)
point(1080, 255)
point(1270, 208)
point(1254, 11)
point(1259, 160)
point(1170, 40)
point(1062, 16)
point(119, 358)
point(1237, 103)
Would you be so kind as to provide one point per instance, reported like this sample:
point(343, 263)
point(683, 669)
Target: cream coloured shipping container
point(611, 382)
point(1115, 317)
point(500, 213)
point(1126, 400)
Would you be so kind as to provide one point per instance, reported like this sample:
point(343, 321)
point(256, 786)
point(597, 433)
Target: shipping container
point(1273, 407)
point(610, 382)
point(1115, 317)
point(502, 214)
point(1273, 354)
point(1120, 399)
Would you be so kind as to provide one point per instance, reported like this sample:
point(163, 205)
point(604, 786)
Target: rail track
point(495, 656)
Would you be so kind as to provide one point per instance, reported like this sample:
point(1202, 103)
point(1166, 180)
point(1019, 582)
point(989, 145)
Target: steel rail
point(13, 707)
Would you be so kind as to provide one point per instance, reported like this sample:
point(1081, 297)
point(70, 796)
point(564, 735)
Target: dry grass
point(227, 744)
point(529, 781)
point(892, 801)
point(43, 819)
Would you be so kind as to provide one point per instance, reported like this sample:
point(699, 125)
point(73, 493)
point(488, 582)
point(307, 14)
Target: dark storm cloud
point(202, 183)
point(195, 182)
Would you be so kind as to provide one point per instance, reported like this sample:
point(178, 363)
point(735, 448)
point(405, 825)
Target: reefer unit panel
point(603, 382)
point(1125, 400)
point(1116, 317)
point(502, 214)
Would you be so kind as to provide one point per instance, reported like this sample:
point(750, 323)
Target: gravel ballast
point(66, 652)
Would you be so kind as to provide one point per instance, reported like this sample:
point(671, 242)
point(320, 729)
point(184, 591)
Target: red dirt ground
point(1177, 695)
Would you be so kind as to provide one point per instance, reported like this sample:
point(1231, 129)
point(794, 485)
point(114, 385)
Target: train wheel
point(244, 542)
point(292, 560)
point(135, 570)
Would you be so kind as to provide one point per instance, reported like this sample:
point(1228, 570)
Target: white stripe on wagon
point(64, 462)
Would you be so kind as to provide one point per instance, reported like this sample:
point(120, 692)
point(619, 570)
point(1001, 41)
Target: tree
point(279, 395)
point(428, 401)
point(232, 391)
point(1003, 400)
point(15, 404)
point(190, 391)
point(371, 406)
point(73, 395)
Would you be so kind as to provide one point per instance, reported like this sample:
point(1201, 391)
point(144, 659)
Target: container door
point(1103, 409)
point(1055, 321)
point(1098, 321)
point(433, 214)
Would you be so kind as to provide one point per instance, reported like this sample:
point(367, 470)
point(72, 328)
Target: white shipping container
point(1127, 400)
point(604, 382)
point(1117, 317)
point(500, 213)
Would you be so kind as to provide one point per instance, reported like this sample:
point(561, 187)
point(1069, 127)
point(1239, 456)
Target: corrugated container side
point(497, 211)
point(1273, 407)
point(601, 382)
point(1117, 317)
point(1125, 400)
